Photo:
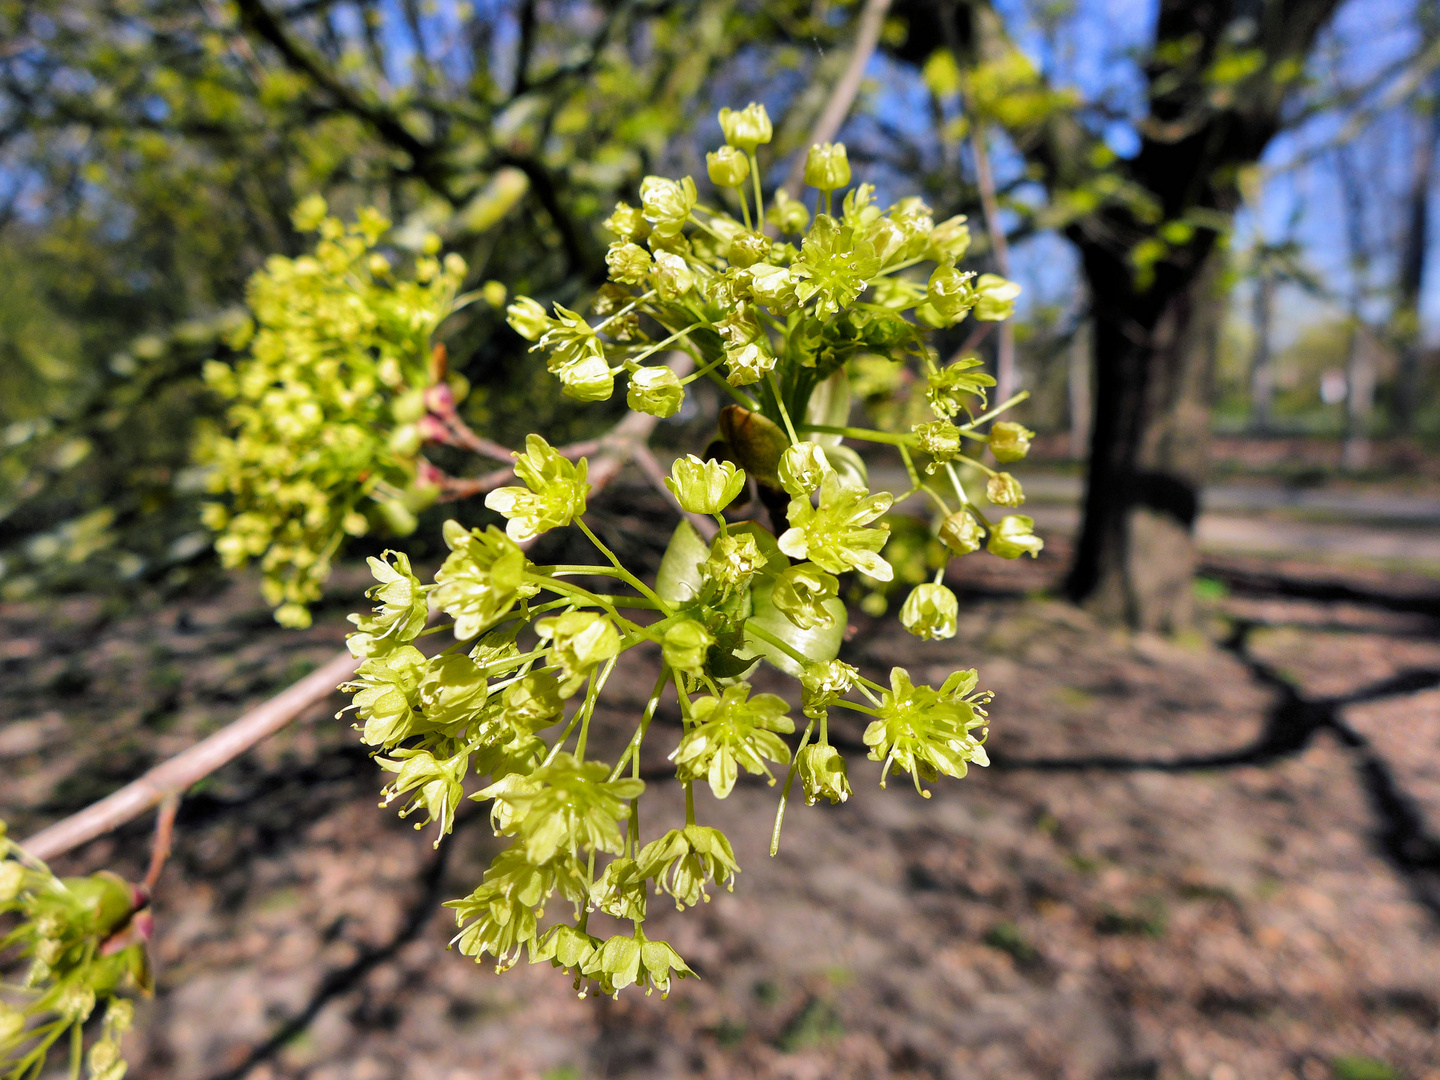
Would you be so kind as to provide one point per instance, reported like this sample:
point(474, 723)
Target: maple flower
point(925, 732)
point(482, 578)
point(835, 266)
point(730, 731)
point(684, 860)
point(1009, 441)
point(930, 611)
point(556, 494)
point(1014, 536)
point(833, 534)
point(704, 487)
point(951, 386)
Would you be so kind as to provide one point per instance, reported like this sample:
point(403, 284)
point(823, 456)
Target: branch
point(985, 178)
point(867, 37)
point(176, 776)
point(171, 779)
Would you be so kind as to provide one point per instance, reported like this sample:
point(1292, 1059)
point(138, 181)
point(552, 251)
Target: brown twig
point(171, 779)
point(867, 37)
point(985, 179)
point(176, 776)
point(160, 846)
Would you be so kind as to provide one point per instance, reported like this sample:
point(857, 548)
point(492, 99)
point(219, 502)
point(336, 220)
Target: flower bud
point(1014, 536)
point(821, 685)
point(822, 774)
point(748, 364)
point(995, 298)
point(961, 533)
point(734, 559)
point(930, 611)
point(728, 167)
point(627, 223)
point(747, 248)
point(787, 214)
point(667, 203)
point(588, 379)
point(671, 277)
point(938, 438)
point(12, 880)
point(629, 263)
point(655, 390)
point(494, 293)
point(803, 466)
point(1004, 490)
point(827, 167)
point(704, 487)
point(950, 292)
point(746, 128)
point(773, 286)
point(580, 641)
point(1009, 441)
point(800, 593)
point(951, 239)
point(685, 645)
point(528, 319)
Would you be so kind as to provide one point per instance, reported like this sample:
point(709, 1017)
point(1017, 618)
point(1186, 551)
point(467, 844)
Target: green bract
point(792, 319)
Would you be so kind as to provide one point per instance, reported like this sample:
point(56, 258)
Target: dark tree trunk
point(1152, 354)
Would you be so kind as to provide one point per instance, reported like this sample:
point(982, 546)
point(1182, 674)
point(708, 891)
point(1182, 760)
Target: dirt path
point(1213, 861)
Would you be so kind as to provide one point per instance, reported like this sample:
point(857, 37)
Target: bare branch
point(174, 777)
point(160, 847)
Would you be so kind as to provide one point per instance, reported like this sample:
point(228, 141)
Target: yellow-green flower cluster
point(503, 712)
point(82, 942)
point(326, 405)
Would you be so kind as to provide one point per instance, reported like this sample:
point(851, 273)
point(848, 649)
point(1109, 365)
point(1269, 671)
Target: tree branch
point(171, 779)
point(842, 98)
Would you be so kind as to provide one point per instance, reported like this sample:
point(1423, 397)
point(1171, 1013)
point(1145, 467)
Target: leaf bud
point(746, 128)
point(629, 263)
point(995, 298)
point(800, 593)
point(627, 223)
point(1014, 536)
point(671, 277)
point(588, 379)
point(930, 611)
point(822, 774)
point(1004, 490)
point(950, 292)
point(704, 487)
point(528, 319)
point(827, 167)
point(747, 248)
point(961, 533)
point(803, 466)
point(685, 645)
point(787, 214)
point(728, 167)
point(655, 390)
point(938, 438)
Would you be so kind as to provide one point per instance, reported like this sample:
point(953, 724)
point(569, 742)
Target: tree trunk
point(1152, 359)
point(1080, 391)
point(1262, 368)
point(1412, 270)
